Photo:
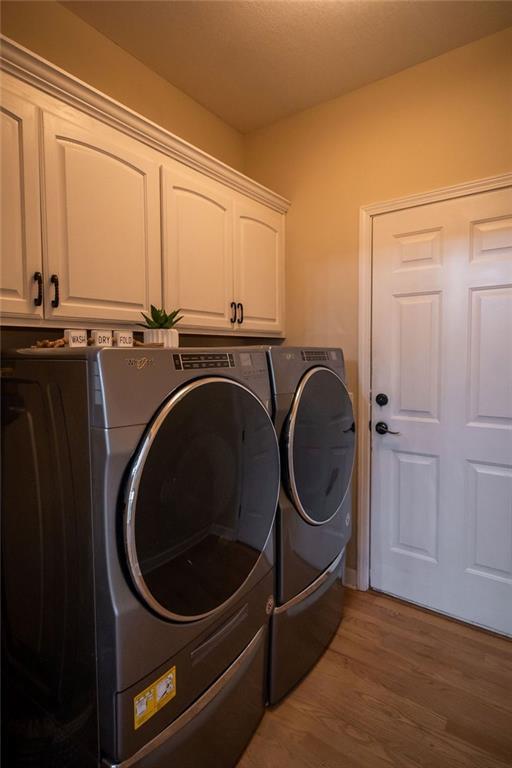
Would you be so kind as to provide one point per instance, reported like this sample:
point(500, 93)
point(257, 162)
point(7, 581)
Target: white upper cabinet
point(259, 268)
point(223, 256)
point(21, 266)
point(197, 248)
point(102, 222)
point(104, 213)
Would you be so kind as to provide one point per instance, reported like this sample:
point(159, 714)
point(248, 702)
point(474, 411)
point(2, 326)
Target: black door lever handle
point(382, 428)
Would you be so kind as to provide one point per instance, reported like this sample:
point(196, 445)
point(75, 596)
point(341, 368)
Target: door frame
point(366, 214)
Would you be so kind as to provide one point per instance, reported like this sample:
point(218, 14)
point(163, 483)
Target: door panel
point(491, 239)
point(259, 258)
point(415, 505)
point(490, 367)
point(418, 249)
point(198, 248)
point(442, 488)
point(489, 490)
point(20, 212)
point(103, 230)
point(416, 329)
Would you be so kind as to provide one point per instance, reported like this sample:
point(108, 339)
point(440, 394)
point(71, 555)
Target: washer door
point(201, 498)
point(319, 446)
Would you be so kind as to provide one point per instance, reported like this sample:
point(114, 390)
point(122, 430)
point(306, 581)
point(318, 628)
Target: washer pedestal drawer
point(217, 727)
point(302, 628)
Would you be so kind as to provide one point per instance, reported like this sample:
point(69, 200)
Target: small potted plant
point(159, 328)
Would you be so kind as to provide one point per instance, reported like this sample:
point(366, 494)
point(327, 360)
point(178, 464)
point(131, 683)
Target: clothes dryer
point(315, 424)
point(140, 488)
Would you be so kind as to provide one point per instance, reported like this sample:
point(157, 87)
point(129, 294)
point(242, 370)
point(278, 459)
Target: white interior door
point(441, 510)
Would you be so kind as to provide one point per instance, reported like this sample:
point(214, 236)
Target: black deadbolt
point(382, 399)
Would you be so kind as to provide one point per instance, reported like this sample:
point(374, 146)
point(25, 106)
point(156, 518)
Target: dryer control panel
point(289, 364)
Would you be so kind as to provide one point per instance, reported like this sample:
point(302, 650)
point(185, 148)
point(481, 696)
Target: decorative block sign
point(101, 338)
point(75, 338)
point(123, 338)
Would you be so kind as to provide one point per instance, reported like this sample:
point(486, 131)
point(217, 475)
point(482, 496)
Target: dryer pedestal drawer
point(307, 624)
point(217, 727)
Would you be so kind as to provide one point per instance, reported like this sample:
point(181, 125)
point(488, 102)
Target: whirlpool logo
point(140, 362)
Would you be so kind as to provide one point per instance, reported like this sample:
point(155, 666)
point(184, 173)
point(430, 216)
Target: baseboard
point(350, 578)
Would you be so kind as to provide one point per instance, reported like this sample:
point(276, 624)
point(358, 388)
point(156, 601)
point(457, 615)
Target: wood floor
point(397, 687)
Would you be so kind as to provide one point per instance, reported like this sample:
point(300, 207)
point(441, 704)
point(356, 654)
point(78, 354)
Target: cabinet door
point(20, 208)
point(259, 272)
point(102, 221)
point(198, 248)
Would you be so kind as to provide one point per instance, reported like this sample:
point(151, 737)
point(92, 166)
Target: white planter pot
point(167, 337)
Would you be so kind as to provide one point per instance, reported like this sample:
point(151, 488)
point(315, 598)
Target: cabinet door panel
point(20, 207)
point(198, 249)
point(102, 214)
point(259, 283)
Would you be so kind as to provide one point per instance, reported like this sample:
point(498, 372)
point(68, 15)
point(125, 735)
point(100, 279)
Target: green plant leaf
point(149, 323)
point(155, 315)
point(174, 318)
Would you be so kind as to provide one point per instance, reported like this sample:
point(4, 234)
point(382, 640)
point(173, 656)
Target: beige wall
point(61, 37)
point(443, 122)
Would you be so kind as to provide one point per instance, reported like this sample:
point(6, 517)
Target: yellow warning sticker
point(154, 697)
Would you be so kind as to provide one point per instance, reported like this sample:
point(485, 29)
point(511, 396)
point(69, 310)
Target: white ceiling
point(253, 62)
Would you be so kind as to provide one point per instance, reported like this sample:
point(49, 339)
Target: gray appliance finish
point(315, 424)
point(140, 489)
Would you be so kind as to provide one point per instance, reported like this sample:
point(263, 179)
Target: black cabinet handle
point(233, 312)
point(240, 308)
point(38, 278)
point(54, 280)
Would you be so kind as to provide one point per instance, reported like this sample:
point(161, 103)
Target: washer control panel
point(189, 361)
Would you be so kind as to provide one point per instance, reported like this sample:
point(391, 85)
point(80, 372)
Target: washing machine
point(139, 495)
point(315, 424)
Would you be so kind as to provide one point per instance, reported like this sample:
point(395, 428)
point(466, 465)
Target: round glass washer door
point(201, 498)
point(319, 446)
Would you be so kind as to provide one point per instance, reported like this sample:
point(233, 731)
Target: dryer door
point(201, 498)
point(319, 446)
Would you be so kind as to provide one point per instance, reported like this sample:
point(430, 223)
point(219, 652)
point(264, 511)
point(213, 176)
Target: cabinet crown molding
point(42, 74)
